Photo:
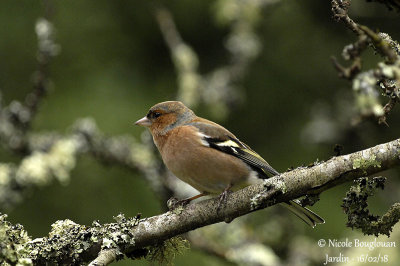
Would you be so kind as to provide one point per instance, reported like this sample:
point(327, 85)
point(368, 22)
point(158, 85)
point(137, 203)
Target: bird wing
point(219, 138)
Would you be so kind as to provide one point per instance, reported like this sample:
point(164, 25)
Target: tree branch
point(358, 216)
point(243, 46)
point(368, 85)
point(287, 186)
point(77, 243)
point(105, 257)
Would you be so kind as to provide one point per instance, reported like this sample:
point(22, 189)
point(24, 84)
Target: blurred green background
point(114, 65)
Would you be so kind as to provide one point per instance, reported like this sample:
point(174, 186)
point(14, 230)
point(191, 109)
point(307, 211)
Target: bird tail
point(308, 216)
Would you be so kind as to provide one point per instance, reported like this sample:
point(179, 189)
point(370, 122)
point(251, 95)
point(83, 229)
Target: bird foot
point(223, 197)
point(174, 203)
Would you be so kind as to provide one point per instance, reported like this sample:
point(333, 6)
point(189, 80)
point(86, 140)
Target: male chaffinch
point(207, 156)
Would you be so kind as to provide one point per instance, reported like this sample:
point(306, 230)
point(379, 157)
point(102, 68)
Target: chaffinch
point(207, 156)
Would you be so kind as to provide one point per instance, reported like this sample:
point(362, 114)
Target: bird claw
point(174, 203)
point(223, 197)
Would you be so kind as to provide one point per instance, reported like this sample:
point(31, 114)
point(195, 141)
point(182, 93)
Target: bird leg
point(173, 202)
point(223, 197)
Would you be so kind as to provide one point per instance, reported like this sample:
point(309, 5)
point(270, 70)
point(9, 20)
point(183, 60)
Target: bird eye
point(153, 115)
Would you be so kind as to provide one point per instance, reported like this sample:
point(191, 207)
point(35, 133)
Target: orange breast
point(204, 168)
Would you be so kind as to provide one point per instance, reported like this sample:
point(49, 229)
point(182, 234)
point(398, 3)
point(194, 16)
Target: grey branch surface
point(105, 257)
point(78, 244)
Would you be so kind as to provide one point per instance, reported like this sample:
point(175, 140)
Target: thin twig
point(105, 257)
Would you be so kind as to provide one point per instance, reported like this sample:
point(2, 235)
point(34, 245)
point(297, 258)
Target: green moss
point(166, 252)
point(13, 239)
point(258, 200)
point(364, 163)
point(178, 209)
point(74, 244)
point(355, 205)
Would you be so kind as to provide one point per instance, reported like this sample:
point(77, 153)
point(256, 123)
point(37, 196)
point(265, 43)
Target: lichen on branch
point(355, 205)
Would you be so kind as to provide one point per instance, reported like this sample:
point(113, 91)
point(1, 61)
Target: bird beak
point(144, 122)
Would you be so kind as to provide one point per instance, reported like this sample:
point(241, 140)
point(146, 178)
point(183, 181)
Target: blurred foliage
point(114, 64)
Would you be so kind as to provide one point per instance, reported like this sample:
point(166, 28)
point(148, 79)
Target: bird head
point(165, 116)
